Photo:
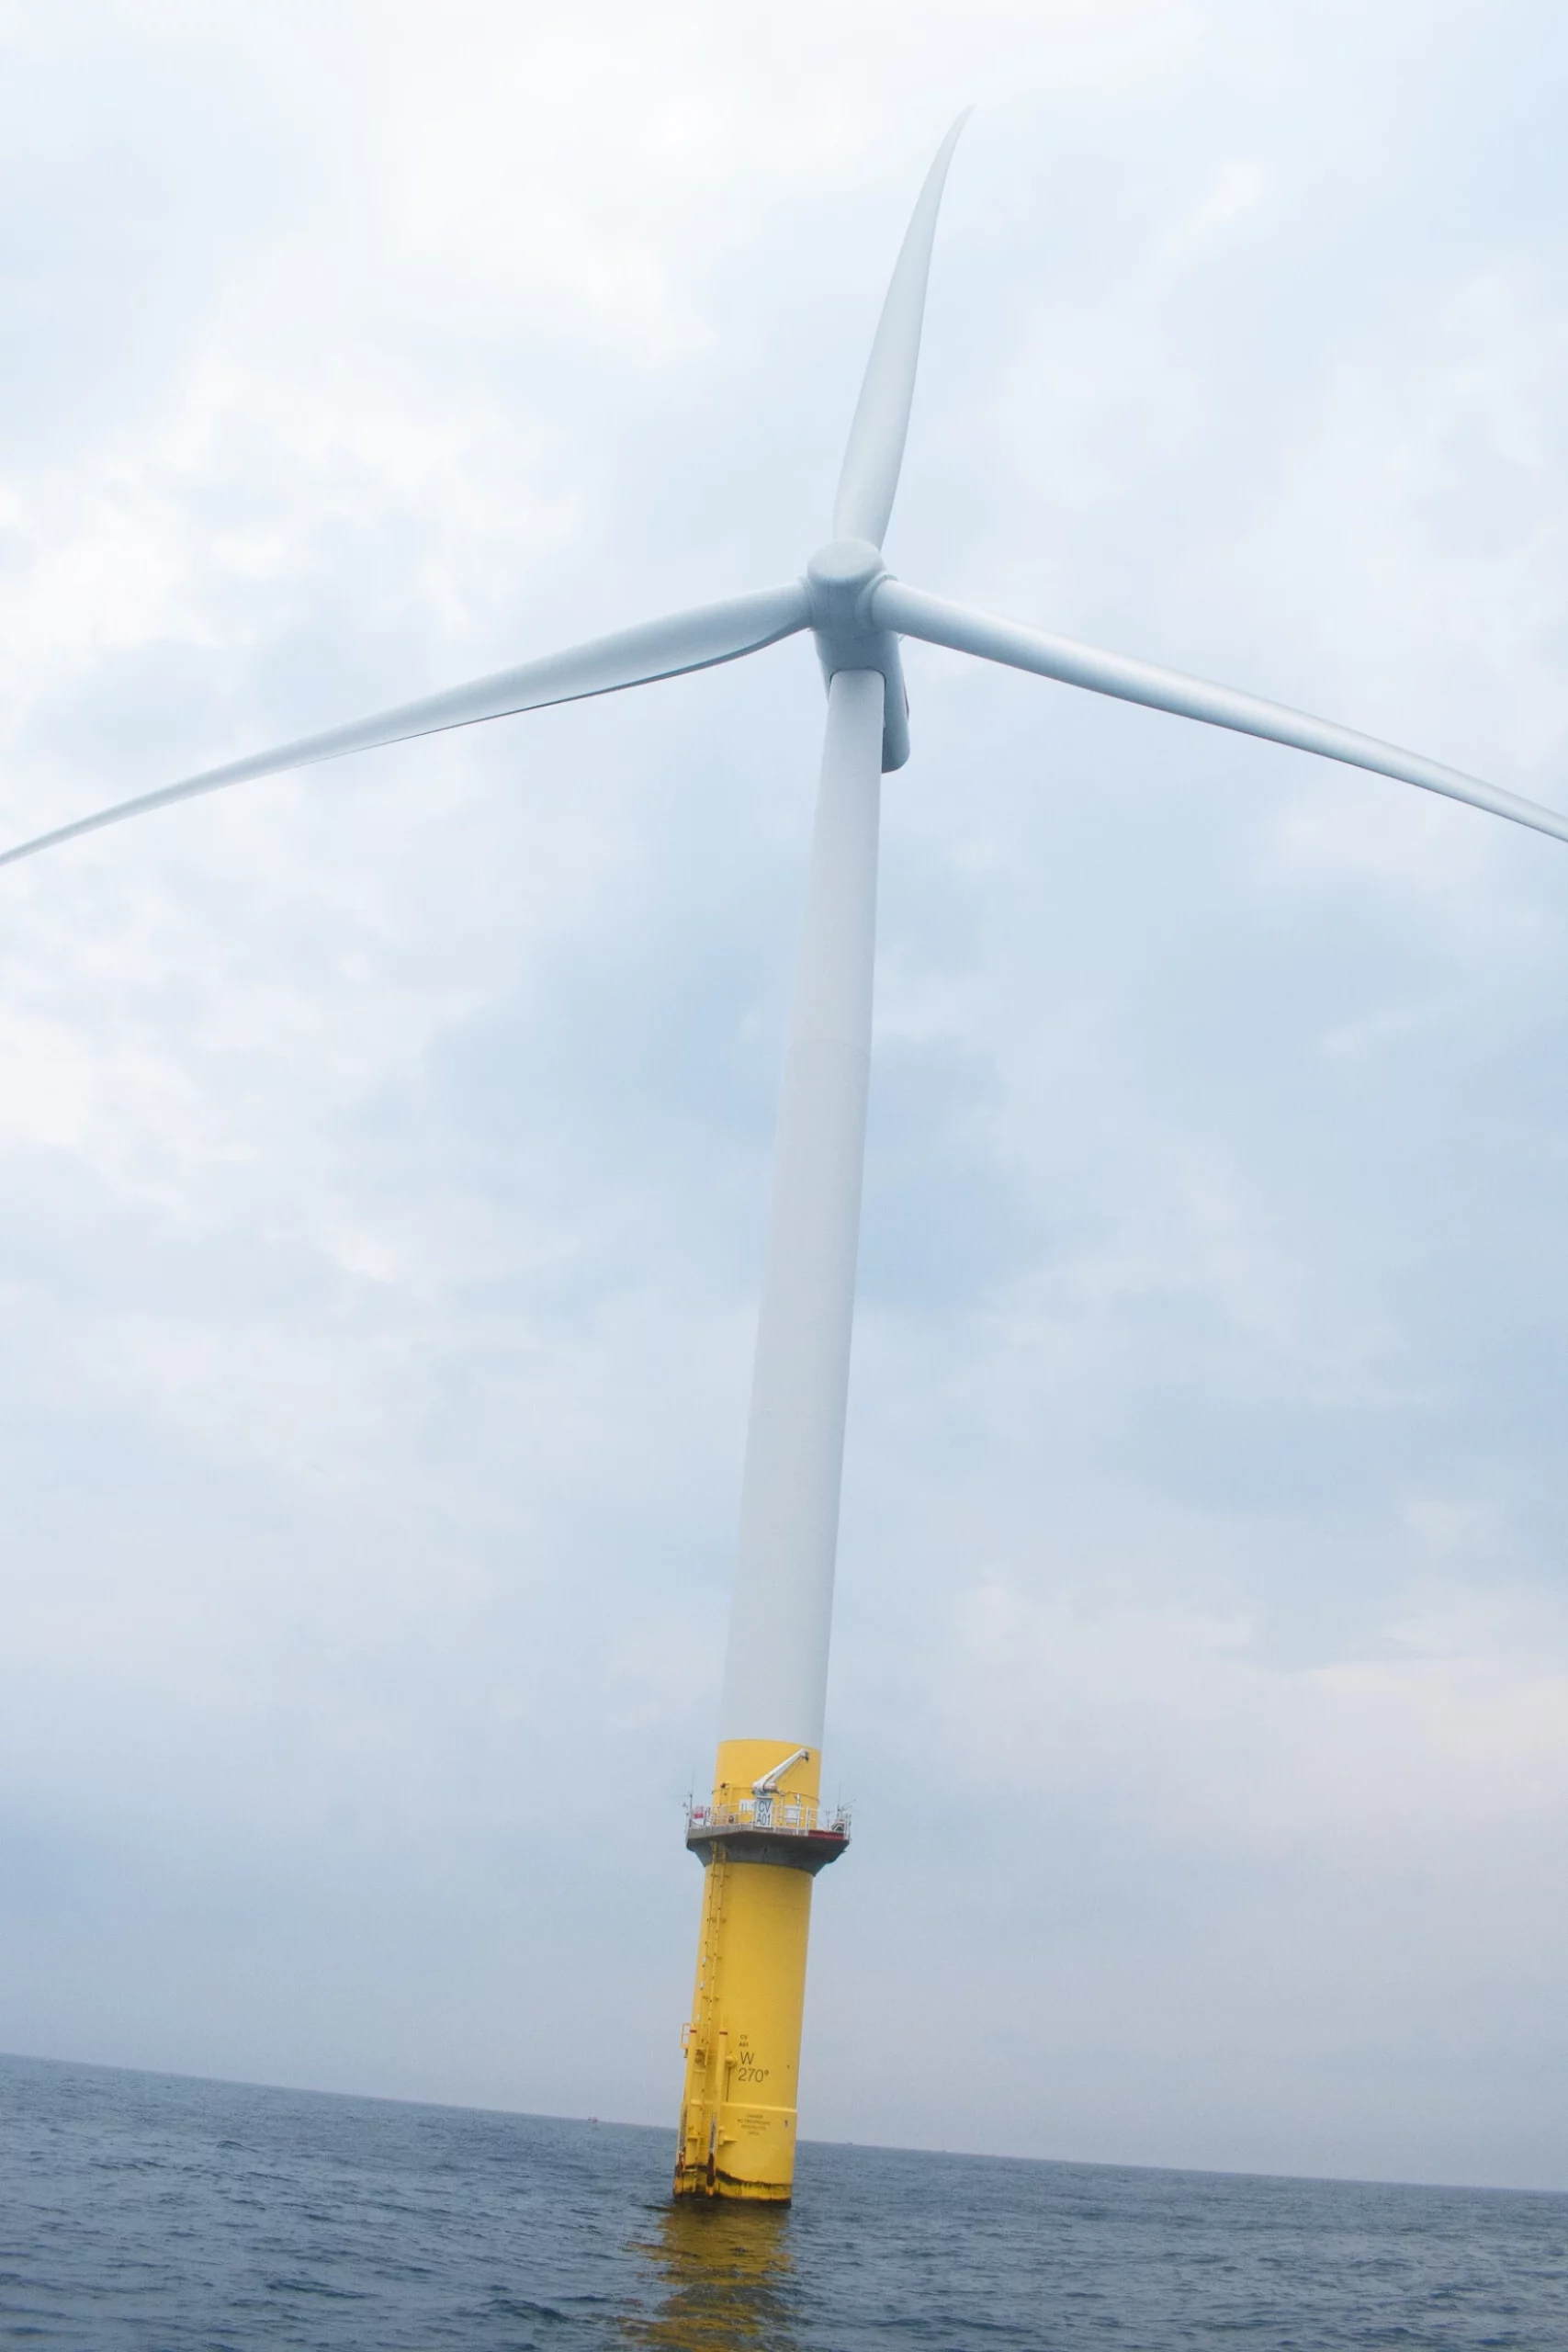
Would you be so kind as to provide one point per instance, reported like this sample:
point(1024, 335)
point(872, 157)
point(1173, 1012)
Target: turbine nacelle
point(840, 581)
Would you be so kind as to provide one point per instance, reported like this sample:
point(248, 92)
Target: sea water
point(170, 2215)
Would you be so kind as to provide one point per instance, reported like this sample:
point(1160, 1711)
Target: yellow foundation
point(737, 2117)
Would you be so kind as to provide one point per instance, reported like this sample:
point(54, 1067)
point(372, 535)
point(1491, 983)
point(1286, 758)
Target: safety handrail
point(781, 1810)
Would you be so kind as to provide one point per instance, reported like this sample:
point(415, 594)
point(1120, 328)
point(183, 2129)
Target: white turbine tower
point(762, 1836)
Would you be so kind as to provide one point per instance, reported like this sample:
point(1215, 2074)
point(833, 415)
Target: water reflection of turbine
point(726, 2273)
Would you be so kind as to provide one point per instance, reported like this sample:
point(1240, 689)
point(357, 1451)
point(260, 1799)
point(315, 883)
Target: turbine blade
point(870, 478)
point(632, 657)
point(910, 613)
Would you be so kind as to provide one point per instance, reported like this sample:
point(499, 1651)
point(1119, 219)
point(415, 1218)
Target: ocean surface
point(171, 2215)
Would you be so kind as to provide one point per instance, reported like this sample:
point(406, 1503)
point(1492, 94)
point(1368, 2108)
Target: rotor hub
point(841, 577)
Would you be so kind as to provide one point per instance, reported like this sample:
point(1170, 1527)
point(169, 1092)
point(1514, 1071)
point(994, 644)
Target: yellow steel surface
point(737, 2117)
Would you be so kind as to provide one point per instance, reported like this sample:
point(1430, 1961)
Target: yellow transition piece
point(737, 2117)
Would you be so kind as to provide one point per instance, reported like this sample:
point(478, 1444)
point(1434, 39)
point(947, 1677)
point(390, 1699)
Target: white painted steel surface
point(776, 1671)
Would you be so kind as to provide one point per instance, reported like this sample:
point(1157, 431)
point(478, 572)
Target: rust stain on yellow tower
point(762, 1839)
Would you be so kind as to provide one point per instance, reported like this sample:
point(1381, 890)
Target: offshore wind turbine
point(763, 1836)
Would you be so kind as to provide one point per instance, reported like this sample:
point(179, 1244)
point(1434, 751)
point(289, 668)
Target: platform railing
point(780, 1809)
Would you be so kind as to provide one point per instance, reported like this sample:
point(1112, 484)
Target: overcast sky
point(384, 1151)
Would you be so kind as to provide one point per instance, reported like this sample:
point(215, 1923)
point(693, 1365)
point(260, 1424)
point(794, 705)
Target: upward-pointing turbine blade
point(632, 657)
point(910, 613)
point(870, 479)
